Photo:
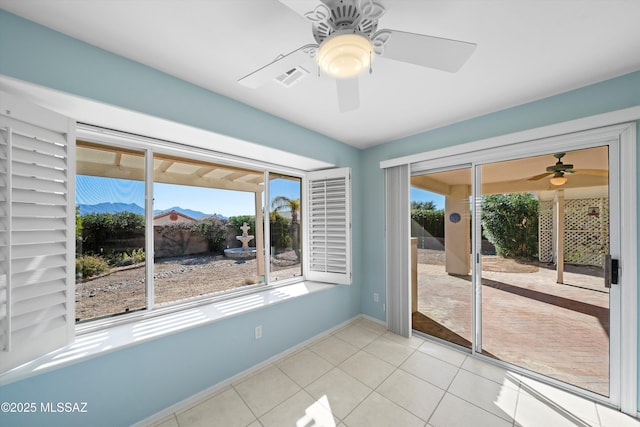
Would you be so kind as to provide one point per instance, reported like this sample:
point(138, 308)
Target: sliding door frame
point(568, 136)
point(612, 141)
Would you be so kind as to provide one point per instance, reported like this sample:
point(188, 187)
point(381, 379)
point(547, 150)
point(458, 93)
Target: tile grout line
point(515, 409)
point(304, 388)
point(245, 402)
point(443, 395)
point(513, 418)
point(373, 390)
point(273, 365)
point(396, 368)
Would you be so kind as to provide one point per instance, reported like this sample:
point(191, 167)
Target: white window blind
point(398, 249)
point(37, 214)
point(328, 208)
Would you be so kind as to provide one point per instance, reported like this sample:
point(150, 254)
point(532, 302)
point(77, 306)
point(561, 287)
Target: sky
point(91, 190)
point(419, 195)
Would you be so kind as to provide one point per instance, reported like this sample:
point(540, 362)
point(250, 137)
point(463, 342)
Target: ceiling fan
point(559, 169)
point(347, 41)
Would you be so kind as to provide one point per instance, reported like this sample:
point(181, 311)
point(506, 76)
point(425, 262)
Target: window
point(285, 226)
point(212, 227)
point(207, 228)
point(137, 198)
point(110, 231)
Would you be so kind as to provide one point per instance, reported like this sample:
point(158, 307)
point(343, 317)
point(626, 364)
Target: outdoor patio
point(559, 330)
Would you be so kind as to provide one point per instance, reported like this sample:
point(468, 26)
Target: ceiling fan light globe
point(558, 180)
point(345, 55)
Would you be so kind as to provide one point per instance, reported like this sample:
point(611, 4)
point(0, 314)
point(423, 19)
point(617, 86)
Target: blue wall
point(128, 385)
point(610, 95)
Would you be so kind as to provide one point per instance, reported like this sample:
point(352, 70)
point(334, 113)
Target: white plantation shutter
point(37, 223)
point(328, 207)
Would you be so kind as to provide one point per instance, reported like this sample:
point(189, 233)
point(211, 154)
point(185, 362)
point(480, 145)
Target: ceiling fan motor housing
point(560, 167)
point(345, 15)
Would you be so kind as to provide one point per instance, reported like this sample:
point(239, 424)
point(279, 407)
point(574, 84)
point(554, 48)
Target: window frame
point(110, 334)
point(150, 147)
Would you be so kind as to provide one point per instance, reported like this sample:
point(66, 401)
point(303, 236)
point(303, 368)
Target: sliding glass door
point(544, 303)
point(510, 255)
point(441, 233)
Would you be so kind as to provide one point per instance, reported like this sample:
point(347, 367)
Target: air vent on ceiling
point(292, 76)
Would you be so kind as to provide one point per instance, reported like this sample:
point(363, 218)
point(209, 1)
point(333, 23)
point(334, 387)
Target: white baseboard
point(196, 398)
point(373, 319)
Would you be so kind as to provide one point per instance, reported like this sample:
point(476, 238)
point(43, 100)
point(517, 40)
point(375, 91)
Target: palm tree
point(282, 203)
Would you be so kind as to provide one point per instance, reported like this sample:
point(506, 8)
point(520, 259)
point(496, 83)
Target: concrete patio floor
point(558, 330)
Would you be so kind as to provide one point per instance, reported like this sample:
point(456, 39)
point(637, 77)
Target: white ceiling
point(527, 50)
point(528, 174)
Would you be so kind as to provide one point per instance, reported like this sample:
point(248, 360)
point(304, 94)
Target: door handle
point(611, 267)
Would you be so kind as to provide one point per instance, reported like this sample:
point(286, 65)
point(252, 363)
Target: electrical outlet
point(258, 332)
point(376, 297)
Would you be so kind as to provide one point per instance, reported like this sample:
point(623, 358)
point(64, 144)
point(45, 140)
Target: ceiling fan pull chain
point(370, 63)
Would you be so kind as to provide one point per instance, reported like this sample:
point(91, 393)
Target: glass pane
point(110, 231)
point(204, 228)
point(544, 304)
point(284, 224)
point(441, 255)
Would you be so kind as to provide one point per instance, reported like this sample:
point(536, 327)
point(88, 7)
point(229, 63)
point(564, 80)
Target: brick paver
point(561, 331)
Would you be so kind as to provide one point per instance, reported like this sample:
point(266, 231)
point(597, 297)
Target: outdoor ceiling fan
point(347, 41)
point(559, 169)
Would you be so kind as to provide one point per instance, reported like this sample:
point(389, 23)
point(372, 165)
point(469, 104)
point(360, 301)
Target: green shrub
point(120, 259)
point(214, 229)
point(427, 223)
point(118, 232)
point(78, 223)
point(427, 205)
point(113, 223)
point(238, 221)
point(279, 228)
point(89, 265)
point(510, 222)
point(138, 256)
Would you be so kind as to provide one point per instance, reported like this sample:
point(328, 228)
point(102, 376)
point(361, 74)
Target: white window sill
point(93, 344)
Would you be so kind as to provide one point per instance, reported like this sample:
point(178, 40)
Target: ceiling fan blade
point(427, 51)
point(595, 172)
point(348, 94)
point(300, 57)
point(539, 177)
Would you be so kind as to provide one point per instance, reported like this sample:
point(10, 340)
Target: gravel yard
point(123, 289)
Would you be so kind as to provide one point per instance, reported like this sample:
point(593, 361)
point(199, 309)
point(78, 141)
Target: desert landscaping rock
point(175, 279)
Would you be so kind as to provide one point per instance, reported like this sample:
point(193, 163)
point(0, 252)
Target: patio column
point(259, 234)
point(558, 234)
point(457, 229)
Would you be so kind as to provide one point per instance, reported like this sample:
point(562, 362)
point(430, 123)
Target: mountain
point(132, 207)
point(111, 208)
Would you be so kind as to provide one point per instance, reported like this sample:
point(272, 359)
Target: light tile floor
point(362, 375)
